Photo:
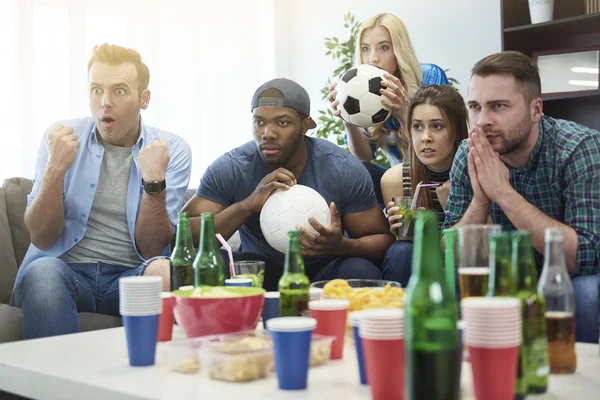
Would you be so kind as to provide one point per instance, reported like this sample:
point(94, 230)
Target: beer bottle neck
point(427, 262)
point(294, 262)
point(501, 281)
point(184, 233)
point(524, 262)
point(554, 253)
point(208, 240)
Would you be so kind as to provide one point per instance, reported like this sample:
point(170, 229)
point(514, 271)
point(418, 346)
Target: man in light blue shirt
point(104, 202)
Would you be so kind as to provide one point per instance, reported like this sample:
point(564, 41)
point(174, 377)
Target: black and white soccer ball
point(359, 96)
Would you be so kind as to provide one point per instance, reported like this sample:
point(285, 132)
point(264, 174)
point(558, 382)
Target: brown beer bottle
point(556, 287)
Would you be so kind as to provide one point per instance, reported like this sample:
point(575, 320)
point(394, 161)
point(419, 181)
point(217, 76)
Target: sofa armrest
point(8, 262)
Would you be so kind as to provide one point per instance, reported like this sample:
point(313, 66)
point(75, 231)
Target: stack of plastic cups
point(493, 334)
point(140, 305)
point(382, 335)
point(291, 350)
point(354, 320)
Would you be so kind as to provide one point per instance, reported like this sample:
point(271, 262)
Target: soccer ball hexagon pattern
point(359, 97)
point(285, 209)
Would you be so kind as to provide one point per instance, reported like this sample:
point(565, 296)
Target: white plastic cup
point(541, 10)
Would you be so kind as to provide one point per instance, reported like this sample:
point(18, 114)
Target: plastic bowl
point(201, 316)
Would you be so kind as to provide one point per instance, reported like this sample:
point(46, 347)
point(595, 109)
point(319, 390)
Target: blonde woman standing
point(383, 41)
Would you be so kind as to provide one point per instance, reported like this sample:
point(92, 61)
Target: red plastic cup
point(331, 321)
point(384, 364)
point(166, 319)
point(494, 372)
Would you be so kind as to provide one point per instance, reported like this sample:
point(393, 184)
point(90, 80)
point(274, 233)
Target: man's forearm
point(227, 222)
point(153, 229)
point(372, 247)
point(525, 216)
point(45, 218)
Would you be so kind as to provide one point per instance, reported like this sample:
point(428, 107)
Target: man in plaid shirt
point(528, 171)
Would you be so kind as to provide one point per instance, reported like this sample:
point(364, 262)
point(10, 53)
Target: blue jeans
point(344, 268)
point(397, 264)
point(586, 308)
point(52, 292)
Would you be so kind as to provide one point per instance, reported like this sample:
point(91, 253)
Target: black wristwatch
point(154, 187)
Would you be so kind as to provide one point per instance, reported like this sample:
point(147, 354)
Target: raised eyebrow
point(116, 85)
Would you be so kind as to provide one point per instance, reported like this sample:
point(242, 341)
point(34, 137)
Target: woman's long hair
point(409, 70)
point(453, 110)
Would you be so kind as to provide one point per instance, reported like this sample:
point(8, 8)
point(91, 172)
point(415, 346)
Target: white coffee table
point(94, 365)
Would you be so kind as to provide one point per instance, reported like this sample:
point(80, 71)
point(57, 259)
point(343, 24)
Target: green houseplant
point(342, 51)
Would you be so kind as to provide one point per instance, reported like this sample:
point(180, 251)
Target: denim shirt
point(82, 177)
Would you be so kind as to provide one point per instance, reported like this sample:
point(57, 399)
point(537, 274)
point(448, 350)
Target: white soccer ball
point(285, 209)
point(359, 97)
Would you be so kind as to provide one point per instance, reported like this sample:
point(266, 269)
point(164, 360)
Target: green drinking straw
point(449, 267)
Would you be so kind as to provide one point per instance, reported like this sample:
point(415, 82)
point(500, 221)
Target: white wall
point(452, 34)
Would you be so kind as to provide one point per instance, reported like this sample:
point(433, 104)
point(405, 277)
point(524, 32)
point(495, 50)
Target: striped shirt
point(561, 179)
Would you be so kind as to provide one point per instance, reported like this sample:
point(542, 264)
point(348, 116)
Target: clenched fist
point(62, 147)
point(153, 160)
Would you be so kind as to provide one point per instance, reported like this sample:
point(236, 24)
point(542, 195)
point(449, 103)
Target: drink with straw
point(406, 231)
point(408, 209)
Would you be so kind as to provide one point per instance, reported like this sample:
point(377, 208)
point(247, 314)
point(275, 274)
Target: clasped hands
point(488, 174)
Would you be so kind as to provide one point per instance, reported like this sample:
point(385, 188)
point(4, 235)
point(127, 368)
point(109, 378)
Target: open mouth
point(427, 151)
point(107, 120)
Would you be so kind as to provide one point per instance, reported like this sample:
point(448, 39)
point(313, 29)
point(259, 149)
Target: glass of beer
point(474, 257)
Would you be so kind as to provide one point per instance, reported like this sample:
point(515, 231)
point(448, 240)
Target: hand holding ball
point(286, 209)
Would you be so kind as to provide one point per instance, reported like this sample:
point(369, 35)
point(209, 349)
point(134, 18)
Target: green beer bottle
point(209, 269)
point(533, 305)
point(294, 284)
point(183, 255)
point(449, 258)
point(431, 313)
point(502, 283)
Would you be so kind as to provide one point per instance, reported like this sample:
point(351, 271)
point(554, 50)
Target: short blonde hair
point(114, 55)
point(409, 69)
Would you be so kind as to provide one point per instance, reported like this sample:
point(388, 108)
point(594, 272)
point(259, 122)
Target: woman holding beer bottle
point(437, 121)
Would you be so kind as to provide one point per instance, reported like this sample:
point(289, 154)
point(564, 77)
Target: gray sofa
point(14, 241)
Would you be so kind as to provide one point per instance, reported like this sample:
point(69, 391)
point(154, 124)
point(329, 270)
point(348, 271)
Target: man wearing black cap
point(237, 185)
